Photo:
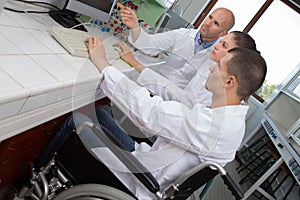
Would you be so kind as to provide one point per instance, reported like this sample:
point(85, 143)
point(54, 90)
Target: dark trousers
point(104, 118)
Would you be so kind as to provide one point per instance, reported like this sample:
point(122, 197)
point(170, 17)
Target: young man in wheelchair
point(185, 137)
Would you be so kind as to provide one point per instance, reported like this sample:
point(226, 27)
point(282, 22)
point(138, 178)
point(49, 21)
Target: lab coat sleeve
point(153, 44)
point(159, 85)
point(169, 119)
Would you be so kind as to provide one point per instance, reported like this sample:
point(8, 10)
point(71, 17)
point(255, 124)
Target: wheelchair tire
point(93, 192)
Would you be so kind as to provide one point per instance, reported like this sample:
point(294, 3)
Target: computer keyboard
point(72, 40)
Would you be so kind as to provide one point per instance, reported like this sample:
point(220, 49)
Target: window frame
point(252, 22)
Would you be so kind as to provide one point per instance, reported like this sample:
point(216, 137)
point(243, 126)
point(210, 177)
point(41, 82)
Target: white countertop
point(40, 80)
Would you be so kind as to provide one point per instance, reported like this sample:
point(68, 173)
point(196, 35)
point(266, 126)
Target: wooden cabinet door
point(17, 153)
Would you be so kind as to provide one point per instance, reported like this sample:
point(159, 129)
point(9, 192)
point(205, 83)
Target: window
point(243, 10)
point(276, 34)
point(166, 3)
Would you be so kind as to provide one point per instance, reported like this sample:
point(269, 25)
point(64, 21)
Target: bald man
point(188, 48)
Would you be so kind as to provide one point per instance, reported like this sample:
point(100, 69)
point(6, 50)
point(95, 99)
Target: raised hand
point(128, 17)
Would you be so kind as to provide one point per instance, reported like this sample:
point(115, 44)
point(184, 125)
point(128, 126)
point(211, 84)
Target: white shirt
point(186, 137)
point(192, 94)
point(182, 63)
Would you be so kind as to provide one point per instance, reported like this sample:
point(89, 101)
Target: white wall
point(192, 8)
point(58, 3)
point(254, 115)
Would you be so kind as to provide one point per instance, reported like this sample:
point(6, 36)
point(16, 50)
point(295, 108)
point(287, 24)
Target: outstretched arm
point(126, 55)
point(150, 79)
point(130, 19)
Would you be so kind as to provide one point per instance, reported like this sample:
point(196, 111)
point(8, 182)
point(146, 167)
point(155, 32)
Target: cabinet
point(282, 121)
point(18, 152)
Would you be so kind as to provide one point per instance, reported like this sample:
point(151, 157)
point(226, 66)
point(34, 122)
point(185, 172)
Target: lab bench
point(41, 83)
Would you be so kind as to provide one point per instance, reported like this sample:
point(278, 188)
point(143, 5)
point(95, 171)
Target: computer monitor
point(170, 21)
point(283, 107)
point(284, 110)
point(97, 9)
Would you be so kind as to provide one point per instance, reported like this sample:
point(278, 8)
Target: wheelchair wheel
point(93, 192)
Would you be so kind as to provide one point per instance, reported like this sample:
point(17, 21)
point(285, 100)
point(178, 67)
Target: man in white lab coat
point(185, 136)
point(195, 91)
point(193, 94)
point(188, 48)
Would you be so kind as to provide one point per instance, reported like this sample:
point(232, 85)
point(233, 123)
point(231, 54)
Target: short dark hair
point(243, 39)
point(249, 68)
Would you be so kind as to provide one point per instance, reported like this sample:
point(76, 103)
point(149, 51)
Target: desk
point(41, 83)
point(40, 80)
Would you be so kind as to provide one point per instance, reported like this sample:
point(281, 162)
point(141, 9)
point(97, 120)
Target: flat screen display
point(284, 111)
point(97, 9)
point(102, 5)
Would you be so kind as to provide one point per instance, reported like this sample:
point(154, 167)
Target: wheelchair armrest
point(198, 168)
point(200, 175)
point(134, 166)
point(235, 190)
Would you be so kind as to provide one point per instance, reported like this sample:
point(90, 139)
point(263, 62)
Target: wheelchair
point(69, 177)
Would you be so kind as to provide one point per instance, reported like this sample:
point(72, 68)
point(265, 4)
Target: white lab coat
point(192, 94)
point(186, 137)
point(182, 63)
